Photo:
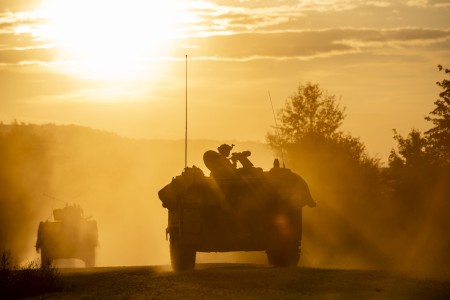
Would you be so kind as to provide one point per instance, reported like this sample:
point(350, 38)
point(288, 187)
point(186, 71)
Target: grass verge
point(26, 281)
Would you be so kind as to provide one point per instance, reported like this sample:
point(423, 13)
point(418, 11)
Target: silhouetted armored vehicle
point(235, 209)
point(70, 235)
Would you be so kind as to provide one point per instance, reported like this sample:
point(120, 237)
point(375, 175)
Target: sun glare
point(109, 38)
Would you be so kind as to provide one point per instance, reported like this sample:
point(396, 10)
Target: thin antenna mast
point(55, 199)
point(278, 129)
point(185, 132)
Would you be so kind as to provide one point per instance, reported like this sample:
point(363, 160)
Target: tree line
point(369, 214)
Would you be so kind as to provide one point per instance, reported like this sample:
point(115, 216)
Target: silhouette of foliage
point(343, 178)
point(410, 172)
point(311, 111)
point(310, 120)
point(26, 281)
point(439, 135)
point(411, 150)
point(418, 176)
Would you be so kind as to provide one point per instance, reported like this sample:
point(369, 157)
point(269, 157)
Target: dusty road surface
point(244, 281)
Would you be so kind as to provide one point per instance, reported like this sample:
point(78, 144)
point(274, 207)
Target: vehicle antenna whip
point(185, 132)
point(277, 129)
point(55, 199)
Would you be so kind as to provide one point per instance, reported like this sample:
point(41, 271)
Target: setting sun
point(108, 39)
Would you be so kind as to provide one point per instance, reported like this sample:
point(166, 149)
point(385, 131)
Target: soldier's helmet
point(276, 163)
point(225, 149)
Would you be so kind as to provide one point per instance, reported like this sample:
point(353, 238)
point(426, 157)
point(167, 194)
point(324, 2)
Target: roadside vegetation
point(26, 281)
point(368, 213)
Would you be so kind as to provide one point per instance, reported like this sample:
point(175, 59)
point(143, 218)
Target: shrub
point(28, 280)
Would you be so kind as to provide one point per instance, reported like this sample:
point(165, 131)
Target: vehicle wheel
point(182, 257)
point(283, 249)
point(45, 260)
point(89, 257)
point(287, 255)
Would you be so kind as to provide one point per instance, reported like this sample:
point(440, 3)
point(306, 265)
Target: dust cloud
point(116, 181)
point(361, 223)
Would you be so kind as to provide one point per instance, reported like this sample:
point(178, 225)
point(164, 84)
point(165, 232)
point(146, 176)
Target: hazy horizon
point(120, 66)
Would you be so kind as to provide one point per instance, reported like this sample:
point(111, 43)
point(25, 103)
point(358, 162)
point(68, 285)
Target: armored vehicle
point(69, 235)
point(236, 208)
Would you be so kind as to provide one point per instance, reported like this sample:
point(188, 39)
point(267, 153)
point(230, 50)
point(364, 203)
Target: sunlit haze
point(110, 39)
point(120, 67)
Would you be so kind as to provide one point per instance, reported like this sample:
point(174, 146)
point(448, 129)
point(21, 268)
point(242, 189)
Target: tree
point(411, 150)
point(343, 178)
point(311, 111)
point(310, 120)
point(418, 175)
point(410, 172)
point(439, 135)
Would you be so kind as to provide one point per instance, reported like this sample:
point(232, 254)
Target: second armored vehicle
point(70, 235)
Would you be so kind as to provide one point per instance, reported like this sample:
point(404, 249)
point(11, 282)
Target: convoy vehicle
point(235, 209)
point(69, 235)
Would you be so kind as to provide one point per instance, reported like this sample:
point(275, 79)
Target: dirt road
point(244, 281)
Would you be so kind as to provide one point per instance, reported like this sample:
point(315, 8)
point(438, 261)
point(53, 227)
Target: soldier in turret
point(219, 162)
point(225, 149)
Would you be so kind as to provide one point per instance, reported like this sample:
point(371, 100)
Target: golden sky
point(120, 65)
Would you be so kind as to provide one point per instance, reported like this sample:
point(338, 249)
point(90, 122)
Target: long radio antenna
point(277, 129)
point(186, 118)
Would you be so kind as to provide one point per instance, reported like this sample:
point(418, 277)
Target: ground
point(244, 281)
